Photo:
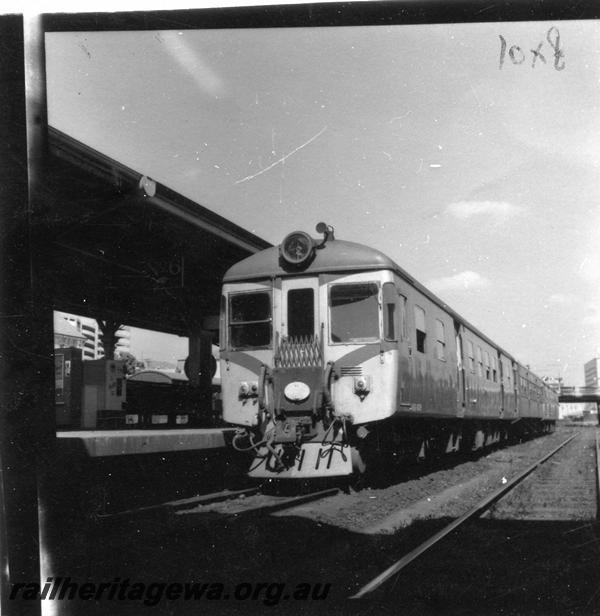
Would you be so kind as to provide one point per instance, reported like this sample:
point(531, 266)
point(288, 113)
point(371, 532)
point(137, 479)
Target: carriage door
point(299, 310)
point(516, 385)
point(298, 358)
point(503, 393)
point(461, 385)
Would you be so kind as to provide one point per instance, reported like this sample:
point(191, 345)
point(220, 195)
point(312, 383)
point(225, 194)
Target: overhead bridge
point(579, 394)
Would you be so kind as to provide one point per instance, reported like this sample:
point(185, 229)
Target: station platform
point(104, 443)
point(106, 471)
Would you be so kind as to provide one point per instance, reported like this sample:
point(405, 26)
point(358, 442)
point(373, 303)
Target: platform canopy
point(125, 248)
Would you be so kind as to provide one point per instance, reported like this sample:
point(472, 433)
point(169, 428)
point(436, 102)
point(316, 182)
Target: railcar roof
point(334, 256)
point(340, 256)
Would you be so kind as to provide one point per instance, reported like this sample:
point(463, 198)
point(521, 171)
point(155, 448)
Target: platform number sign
point(59, 378)
point(165, 272)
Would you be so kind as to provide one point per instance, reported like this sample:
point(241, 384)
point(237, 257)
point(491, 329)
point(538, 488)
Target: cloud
point(591, 320)
point(592, 316)
point(466, 280)
point(498, 211)
point(564, 299)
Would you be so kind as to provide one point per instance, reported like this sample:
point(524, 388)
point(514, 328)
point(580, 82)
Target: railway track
point(477, 511)
point(226, 502)
point(257, 504)
point(224, 534)
point(176, 505)
point(563, 489)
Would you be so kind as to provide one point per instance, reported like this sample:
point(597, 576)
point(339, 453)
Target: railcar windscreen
point(250, 320)
point(354, 312)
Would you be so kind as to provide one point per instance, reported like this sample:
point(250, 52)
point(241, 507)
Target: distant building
point(123, 335)
point(67, 334)
point(93, 348)
point(592, 372)
point(85, 327)
point(572, 409)
point(581, 410)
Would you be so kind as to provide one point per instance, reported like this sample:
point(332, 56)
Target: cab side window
point(390, 297)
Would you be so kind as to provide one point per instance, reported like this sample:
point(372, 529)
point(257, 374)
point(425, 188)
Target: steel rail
point(482, 506)
point(203, 499)
point(286, 503)
point(188, 505)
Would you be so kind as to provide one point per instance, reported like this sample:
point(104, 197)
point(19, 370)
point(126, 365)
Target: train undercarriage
point(337, 448)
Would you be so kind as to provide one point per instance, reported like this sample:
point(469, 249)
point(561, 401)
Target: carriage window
point(471, 356)
point(479, 362)
point(250, 320)
point(301, 313)
point(494, 369)
point(486, 356)
point(354, 312)
point(420, 327)
point(440, 343)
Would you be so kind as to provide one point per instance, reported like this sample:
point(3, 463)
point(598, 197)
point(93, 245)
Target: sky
point(468, 153)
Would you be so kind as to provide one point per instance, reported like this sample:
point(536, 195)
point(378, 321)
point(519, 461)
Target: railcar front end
point(304, 360)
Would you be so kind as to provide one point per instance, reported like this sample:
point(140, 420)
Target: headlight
point(248, 390)
point(296, 248)
point(362, 384)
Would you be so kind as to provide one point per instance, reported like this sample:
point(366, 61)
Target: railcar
point(164, 399)
point(334, 359)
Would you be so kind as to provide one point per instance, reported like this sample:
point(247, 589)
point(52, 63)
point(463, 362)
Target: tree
point(108, 329)
point(131, 363)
